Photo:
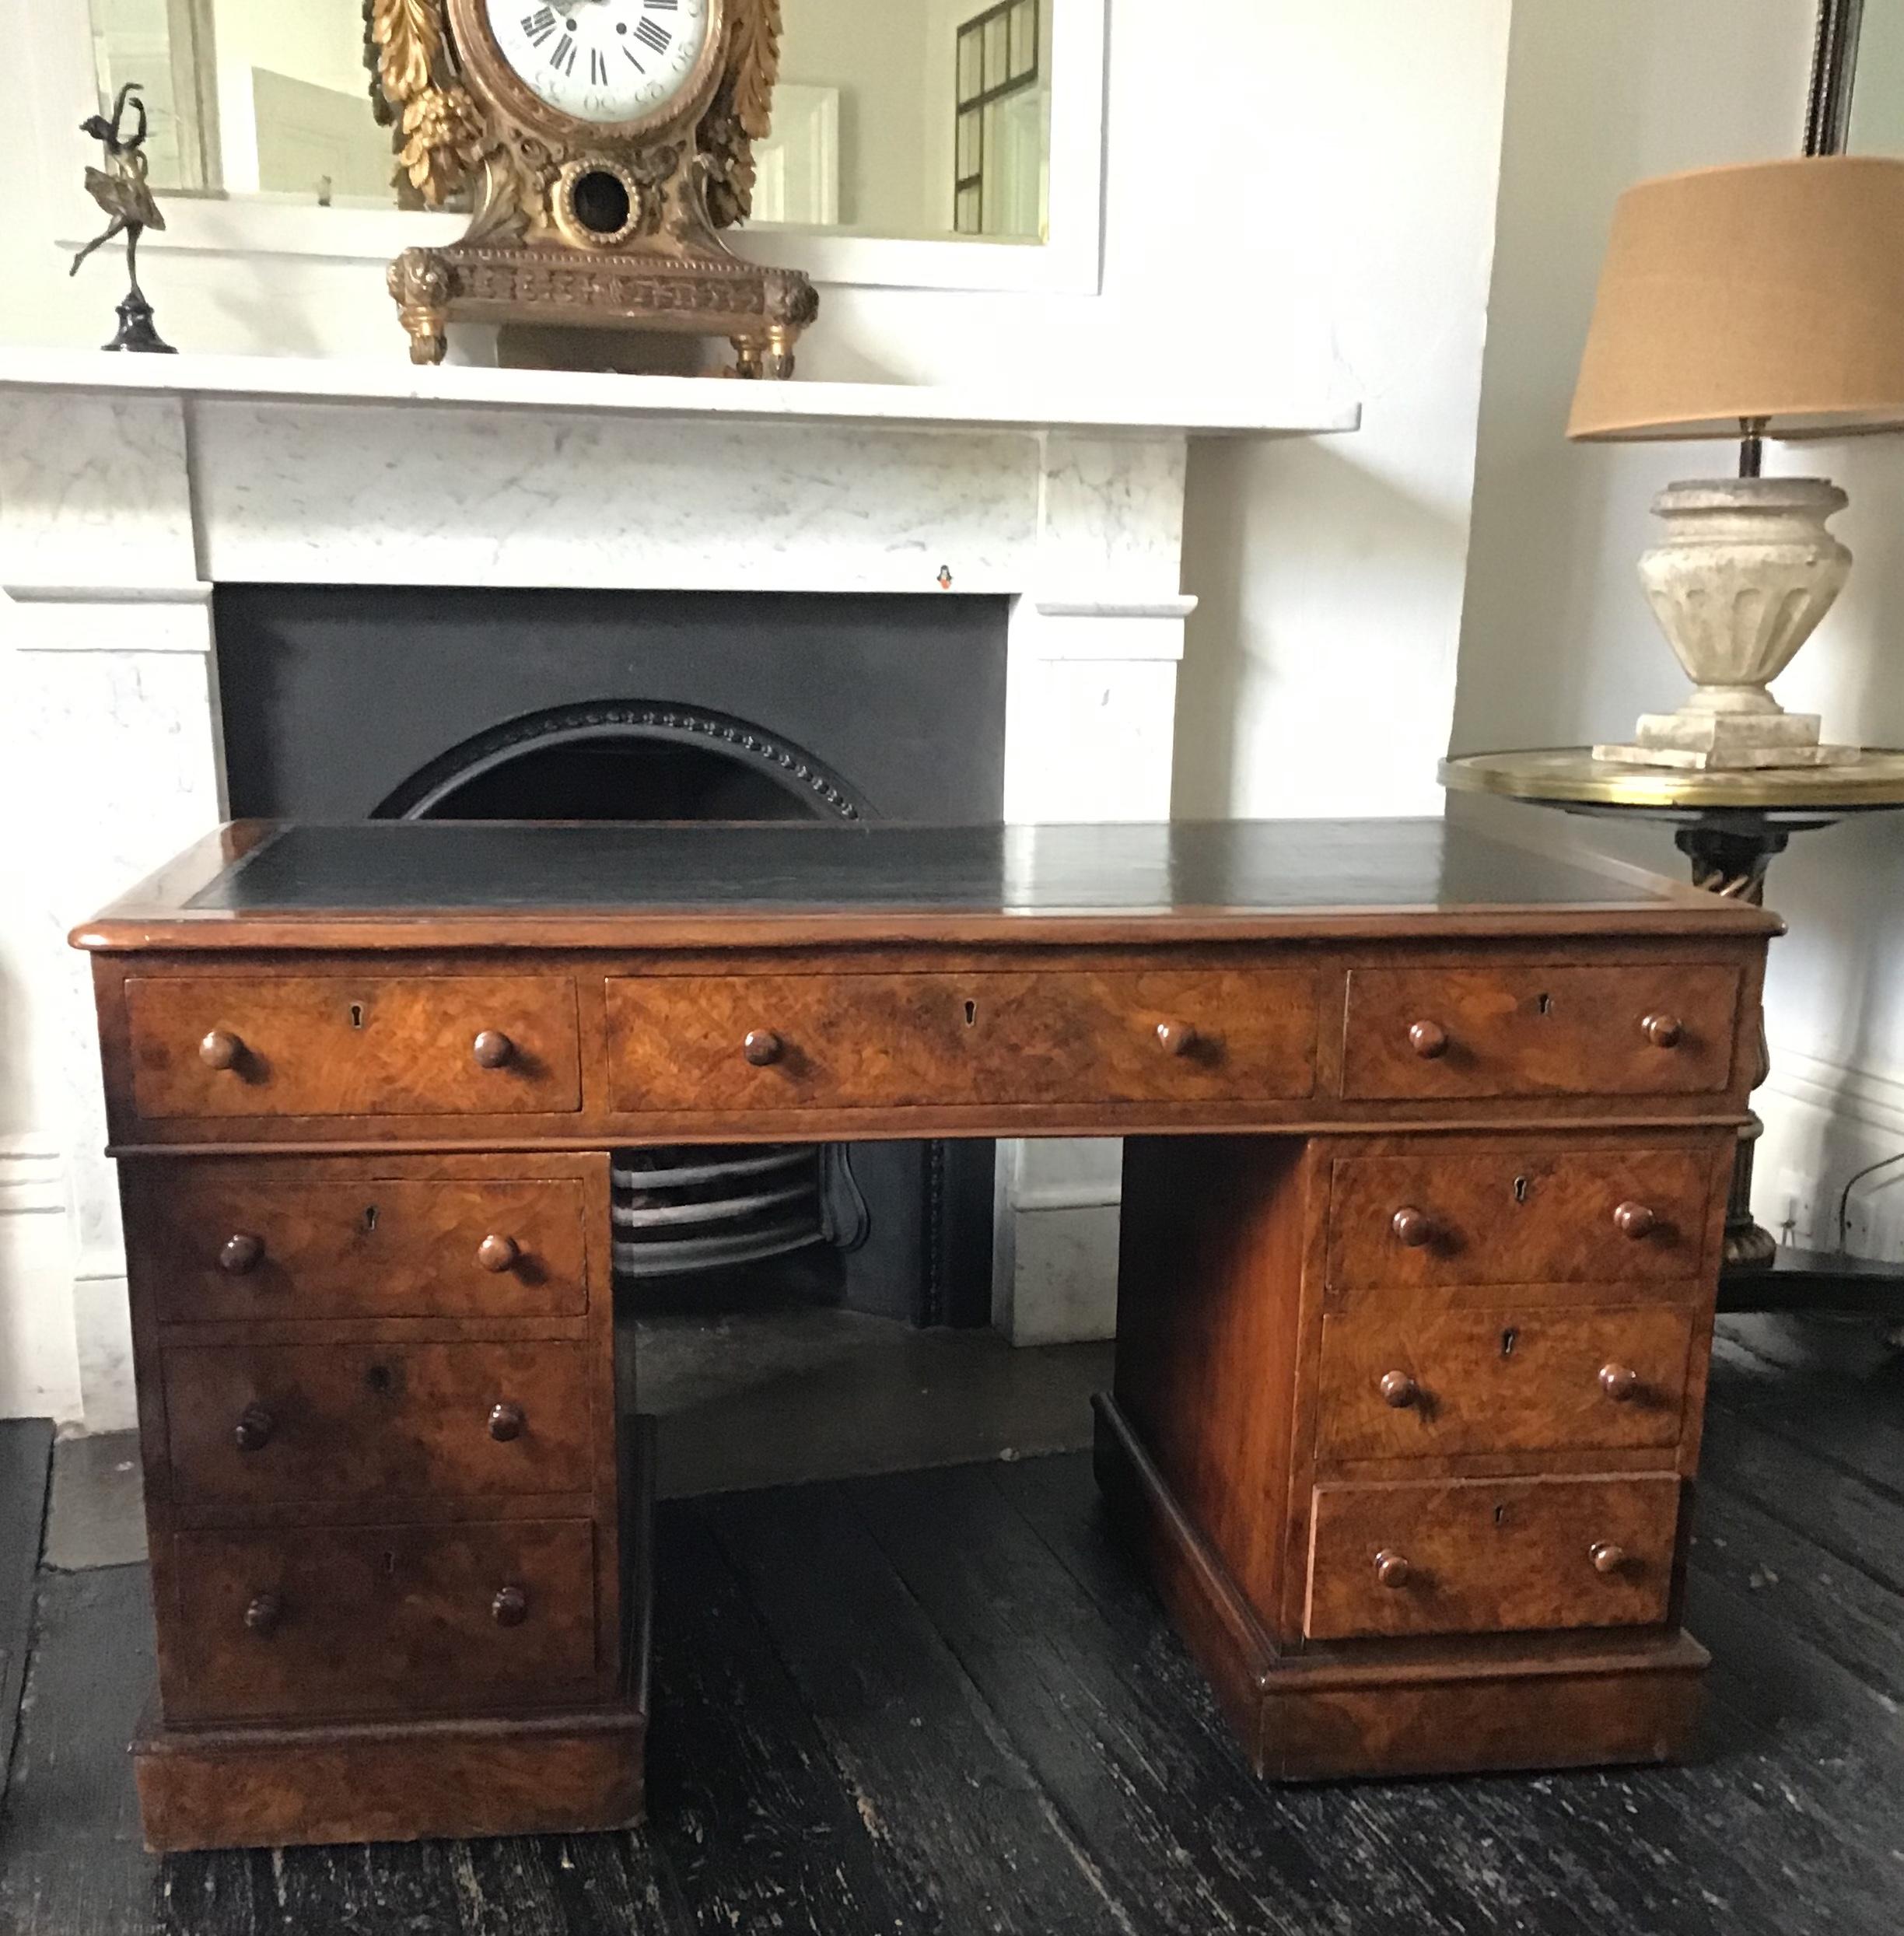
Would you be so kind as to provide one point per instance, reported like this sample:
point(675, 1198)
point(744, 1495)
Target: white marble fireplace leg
point(1091, 715)
point(108, 629)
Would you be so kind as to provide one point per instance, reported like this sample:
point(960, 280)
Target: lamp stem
point(1752, 445)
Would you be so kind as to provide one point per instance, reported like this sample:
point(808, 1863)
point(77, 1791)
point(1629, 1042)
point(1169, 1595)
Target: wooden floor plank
point(1842, 1399)
point(751, 1816)
point(71, 1863)
point(955, 1810)
point(1831, 1752)
point(1838, 1511)
point(26, 1458)
point(1800, 1585)
point(1171, 1815)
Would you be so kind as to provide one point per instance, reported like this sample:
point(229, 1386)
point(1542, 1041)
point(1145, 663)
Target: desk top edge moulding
point(1427, 1144)
point(599, 196)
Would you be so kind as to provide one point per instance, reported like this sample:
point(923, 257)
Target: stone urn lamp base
point(1745, 572)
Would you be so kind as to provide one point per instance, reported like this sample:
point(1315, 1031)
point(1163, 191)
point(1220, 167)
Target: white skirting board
point(39, 1352)
point(1824, 1122)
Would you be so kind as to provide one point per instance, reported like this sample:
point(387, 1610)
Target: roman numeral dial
point(603, 61)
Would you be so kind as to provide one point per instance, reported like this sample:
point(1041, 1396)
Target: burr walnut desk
point(1428, 1146)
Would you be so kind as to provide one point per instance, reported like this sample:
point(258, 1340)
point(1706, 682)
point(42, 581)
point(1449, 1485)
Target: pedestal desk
point(1427, 1148)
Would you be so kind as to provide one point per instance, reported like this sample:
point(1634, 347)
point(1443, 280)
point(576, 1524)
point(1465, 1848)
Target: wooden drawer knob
point(240, 1253)
point(1176, 1038)
point(1413, 1228)
point(264, 1613)
point(221, 1050)
point(506, 1420)
point(1398, 1390)
point(1663, 1031)
point(1606, 1557)
point(497, 1254)
point(1428, 1040)
point(1392, 1570)
point(1620, 1382)
point(1634, 1220)
point(253, 1432)
point(510, 1607)
point(762, 1048)
point(493, 1049)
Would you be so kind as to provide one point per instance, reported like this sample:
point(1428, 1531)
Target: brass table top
point(1570, 776)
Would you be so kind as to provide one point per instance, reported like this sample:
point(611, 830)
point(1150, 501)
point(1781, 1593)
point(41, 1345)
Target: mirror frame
point(61, 91)
point(1834, 68)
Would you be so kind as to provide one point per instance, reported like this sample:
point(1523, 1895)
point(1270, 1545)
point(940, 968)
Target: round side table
point(1730, 826)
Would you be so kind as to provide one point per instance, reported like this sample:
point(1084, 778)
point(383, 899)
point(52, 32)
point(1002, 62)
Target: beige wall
point(1320, 673)
point(874, 52)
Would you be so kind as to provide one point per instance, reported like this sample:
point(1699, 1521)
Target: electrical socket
point(1875, 1221)
point(1796, 1226)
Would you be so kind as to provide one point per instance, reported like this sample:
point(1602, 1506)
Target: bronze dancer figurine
point(121, 189)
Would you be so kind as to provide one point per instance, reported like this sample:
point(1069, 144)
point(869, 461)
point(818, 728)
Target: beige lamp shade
point(1772, 290)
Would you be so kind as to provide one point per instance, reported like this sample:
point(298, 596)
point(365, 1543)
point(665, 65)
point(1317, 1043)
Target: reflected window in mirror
point(926, 119)
point(1000, 182)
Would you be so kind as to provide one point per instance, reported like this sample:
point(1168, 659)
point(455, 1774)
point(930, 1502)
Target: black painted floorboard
point(942, 1702)
point(26, 1451)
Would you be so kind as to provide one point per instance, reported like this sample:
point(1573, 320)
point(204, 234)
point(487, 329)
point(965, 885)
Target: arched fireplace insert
point(625, 760)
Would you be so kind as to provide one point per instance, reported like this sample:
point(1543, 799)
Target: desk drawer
point(1663, 1029)
point(1491, 1556)
point(354, 1046)
point(1411, 1383)
point(221, 1246)
point(1528, 1216)
point(741, 1044)
point(367, 1619)
point(256, 1424)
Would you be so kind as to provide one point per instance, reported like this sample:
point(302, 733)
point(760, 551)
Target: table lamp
point(1741, 303)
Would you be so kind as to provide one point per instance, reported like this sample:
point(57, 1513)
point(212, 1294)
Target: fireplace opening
point(620, 760)
point(417, 702)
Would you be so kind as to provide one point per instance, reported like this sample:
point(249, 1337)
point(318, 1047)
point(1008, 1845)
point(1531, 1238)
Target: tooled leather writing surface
point(1270, 866)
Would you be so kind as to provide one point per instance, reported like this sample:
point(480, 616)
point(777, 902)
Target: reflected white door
point(796, 169)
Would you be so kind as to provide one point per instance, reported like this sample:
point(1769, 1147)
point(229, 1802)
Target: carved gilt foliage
point(439, 139)
point(741, 112)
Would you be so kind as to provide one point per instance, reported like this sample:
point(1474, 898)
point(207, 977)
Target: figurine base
point(136, 332)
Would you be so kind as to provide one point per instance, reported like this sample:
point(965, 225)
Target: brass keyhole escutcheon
point(370, 1219)
point(972, 1014)
point(1523, 1189)
point(356, 1014)
point(1543, 1004)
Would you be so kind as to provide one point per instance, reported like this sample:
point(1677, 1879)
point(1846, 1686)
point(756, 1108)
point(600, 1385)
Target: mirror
point(916, 118)
point(1876, 124)
point(1856, 101)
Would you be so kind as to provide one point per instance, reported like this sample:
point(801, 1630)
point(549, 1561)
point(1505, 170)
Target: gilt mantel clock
point(605, 144)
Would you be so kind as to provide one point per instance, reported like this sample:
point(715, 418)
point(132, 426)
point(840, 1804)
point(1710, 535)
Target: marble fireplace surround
point(129, 488)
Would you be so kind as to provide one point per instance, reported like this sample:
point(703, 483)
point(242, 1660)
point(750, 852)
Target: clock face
point(602, 59)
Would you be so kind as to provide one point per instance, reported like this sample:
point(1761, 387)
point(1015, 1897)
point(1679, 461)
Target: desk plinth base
point(269, 1787)
point(1462, 1707)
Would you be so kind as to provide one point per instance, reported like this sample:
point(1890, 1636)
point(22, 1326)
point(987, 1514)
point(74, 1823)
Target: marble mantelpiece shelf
point(1265, 411)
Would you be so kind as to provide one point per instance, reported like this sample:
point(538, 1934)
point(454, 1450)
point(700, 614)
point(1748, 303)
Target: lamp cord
point(1844, 1196)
